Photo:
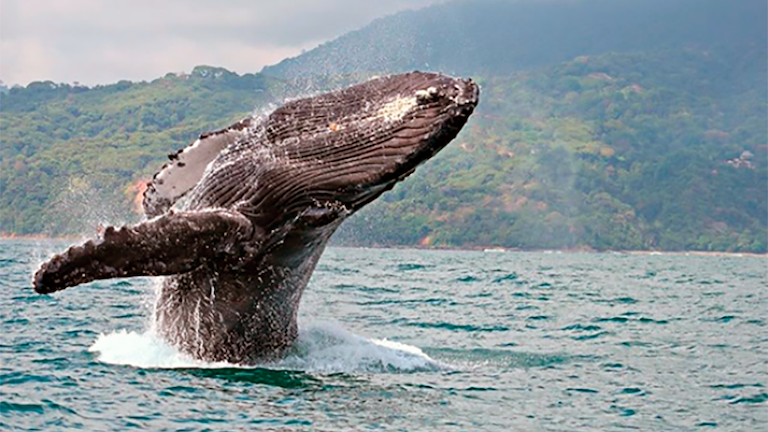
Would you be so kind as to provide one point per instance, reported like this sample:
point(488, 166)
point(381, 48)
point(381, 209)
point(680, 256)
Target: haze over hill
point(605, 124)
point(497, 37)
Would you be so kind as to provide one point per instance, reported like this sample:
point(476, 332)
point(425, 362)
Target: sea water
point(411, 340)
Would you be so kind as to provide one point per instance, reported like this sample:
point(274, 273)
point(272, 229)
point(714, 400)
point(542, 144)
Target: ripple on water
point(467, 279)
point(618, 300)
point(734, 386)
point(411, 267)
point(622, 411)
point(581, 390)
point(505, 278)
point(618, 319)
point(456, 327)
point(367, 289)
point(581, 328)
point(278, 378)
point(16, 378)
point(757, 398)
point(10, 408)
point(481, 357)
point(591, 336)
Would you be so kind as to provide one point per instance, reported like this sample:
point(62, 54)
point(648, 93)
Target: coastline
point(496, 249)
point(487, 249)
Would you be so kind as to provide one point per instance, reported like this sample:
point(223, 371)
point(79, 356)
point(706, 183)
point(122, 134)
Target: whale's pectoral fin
point(170, 244)
point(186, 167)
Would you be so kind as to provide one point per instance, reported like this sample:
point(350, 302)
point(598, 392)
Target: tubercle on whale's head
point(468, 96)
point(463, 93)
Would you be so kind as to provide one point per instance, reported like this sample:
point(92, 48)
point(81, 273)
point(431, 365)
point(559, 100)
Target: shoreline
point(496, 249)
point(487, 249)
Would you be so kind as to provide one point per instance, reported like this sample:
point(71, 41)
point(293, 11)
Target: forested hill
point(606, 124)
point(663, 150)
point(73, 157)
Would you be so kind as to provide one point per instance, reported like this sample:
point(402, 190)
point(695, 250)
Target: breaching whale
point(261, 198)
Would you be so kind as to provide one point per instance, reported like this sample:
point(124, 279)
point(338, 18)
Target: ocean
point(411, 340)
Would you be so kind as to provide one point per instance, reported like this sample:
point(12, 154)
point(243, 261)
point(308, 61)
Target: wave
point(321, 347)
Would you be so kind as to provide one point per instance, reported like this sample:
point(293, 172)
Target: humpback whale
point(237, 221)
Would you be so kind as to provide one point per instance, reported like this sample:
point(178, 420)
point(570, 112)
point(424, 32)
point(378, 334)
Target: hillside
point(619, 151)
point(72, 157)
point(602, 124)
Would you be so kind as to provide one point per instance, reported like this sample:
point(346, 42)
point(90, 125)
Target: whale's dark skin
point(262, 198)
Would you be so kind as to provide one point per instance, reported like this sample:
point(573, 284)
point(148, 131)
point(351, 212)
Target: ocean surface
point(411, 340)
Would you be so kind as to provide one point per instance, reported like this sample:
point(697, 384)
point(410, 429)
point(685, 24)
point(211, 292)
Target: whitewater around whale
point(262, 199)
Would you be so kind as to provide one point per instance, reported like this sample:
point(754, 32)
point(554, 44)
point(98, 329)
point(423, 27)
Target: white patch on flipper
point(187, 168)
point(396, 108)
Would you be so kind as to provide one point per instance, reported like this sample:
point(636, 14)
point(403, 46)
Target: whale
point(235, 222)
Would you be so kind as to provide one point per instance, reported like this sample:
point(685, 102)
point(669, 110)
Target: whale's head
point(343, 149)
point(415, 118)
point(329, 155)
point(398, 123)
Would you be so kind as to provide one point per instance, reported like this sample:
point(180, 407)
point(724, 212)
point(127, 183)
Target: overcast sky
point(104, 41)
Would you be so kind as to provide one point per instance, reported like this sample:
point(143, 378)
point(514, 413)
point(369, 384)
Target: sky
point(103, 41)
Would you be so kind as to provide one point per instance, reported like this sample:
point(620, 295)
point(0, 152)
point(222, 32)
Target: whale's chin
point(262, 198)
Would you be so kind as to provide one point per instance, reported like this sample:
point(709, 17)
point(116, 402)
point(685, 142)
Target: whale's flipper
point(176, 242)
point(187, 166)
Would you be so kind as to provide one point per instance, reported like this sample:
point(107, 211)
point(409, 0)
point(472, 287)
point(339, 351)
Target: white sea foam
point(321, 347)
point(325, 347)
point(144, 350)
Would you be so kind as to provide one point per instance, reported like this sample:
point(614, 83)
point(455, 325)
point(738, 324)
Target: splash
point(325, 347)
point(144, 350)
point(321, 347)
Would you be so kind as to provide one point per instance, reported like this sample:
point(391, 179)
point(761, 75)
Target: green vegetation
point(71, 156)
point(618, 151)
point(647, 141)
